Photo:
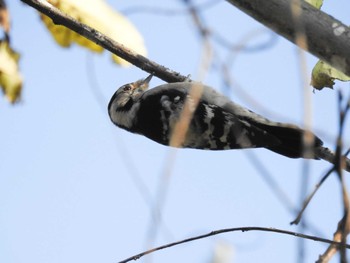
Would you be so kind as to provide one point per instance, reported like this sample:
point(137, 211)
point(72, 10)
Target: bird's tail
point(292, 144)
point(290, 138)
point(329, 156)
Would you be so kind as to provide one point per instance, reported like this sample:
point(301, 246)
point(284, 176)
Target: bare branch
point(327, 38)
point(317, 186)
point(343, 228)
point(308, 199)
point(338, 165)
point(242, 229)
point(344, 225)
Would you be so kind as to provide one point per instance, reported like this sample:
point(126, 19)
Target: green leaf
point(315, 3)
point(323, 75)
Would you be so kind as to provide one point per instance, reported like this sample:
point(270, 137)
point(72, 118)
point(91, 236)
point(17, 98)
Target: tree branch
point(60, 18)
point(242, 229)
point(327, 38)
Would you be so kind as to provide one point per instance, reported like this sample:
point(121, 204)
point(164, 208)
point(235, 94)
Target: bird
point(216, 122)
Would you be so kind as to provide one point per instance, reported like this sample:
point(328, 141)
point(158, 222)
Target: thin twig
point(317, 186)
point(179, 132)
point(343, 228)
point(243, 229)
point(276, 189)
point(308, 139)
point(308, 199)
point(337, 166)
point(242, 46)
point(334, 168)
point(344, 225)
point(270, 181)
point(161, 11)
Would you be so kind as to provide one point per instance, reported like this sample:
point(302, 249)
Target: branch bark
point(327, 38)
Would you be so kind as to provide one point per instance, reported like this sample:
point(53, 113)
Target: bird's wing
point(228, 130)
point(211, 96)
point(290, 136)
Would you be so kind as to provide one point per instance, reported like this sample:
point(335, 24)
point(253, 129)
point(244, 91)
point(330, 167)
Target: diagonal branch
point(60, 18)
point(327, 38)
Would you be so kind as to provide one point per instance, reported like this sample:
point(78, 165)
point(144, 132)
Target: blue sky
point(75, 188)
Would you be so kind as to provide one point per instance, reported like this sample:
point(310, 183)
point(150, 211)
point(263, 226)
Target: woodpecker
point(216, 123)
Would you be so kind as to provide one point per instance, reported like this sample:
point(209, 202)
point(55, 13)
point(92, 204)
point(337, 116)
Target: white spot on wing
point(207, 134)
point(227, 128)
point(165, 102)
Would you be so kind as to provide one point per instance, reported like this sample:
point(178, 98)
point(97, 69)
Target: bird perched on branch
point(214, 121)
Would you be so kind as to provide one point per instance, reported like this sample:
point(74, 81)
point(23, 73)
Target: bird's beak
point(146, 81)
point(143, 84)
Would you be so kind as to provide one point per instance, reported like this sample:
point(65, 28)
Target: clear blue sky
point(75, 188)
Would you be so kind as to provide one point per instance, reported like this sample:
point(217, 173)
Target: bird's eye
point(127, 88)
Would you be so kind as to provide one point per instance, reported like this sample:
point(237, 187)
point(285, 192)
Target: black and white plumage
point(217, 122)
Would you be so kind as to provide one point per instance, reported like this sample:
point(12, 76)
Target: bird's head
point(123, 103)
point(126, 95)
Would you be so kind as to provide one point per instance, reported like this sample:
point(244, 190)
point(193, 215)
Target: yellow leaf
point(10, 78)
point(315, 3)
point(96, 14)
point(323, 75)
